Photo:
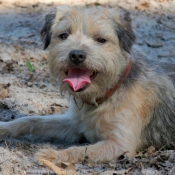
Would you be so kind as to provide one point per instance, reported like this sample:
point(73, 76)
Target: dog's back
point(160, 78)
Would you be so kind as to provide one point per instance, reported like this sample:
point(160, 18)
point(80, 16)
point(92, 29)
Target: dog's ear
point(46, 30)
point(51, 20)
point(124, 29)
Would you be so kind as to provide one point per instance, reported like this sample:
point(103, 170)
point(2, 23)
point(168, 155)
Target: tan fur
point(131, 119)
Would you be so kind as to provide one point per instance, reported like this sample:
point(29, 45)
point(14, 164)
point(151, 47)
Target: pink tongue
point(77, 78)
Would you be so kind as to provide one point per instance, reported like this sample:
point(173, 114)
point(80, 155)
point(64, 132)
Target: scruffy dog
point(120, 101)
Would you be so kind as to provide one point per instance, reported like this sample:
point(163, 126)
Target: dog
point(119, 100)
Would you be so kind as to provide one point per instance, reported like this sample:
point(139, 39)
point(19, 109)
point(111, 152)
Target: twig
point(162, 147)
point(7, 145)
point(56, 169)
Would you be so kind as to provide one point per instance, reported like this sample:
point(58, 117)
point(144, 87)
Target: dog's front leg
point(61, 127)
point(100, 152)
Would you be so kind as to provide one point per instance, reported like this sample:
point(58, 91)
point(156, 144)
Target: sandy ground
point(24, 93)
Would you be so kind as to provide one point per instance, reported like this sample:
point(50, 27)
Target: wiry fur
point(139, 114)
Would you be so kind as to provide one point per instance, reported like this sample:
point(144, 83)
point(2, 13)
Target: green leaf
point(29, 66)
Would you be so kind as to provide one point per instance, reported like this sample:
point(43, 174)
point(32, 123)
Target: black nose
point(77, 56)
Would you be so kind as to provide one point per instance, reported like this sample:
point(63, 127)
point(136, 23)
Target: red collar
point(118, 84)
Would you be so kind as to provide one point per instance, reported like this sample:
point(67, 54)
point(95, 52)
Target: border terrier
point(120, 101)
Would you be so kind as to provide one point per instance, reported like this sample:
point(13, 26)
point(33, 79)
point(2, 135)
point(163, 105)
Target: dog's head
point(89, 48)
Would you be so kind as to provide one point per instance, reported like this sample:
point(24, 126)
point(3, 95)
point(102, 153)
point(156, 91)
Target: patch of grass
point(29, 66)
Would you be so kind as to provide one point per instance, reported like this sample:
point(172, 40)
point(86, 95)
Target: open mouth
point(79, 79)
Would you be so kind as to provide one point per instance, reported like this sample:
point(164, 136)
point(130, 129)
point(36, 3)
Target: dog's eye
point(101, 40)
point(63, 36)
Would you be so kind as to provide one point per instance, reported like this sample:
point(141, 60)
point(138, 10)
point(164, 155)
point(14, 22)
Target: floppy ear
point(124, 29)
point(46, 30)
point(51, 20)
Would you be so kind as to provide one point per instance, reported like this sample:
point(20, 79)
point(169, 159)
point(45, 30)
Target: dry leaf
point(3, 93)
point(40, 106)
point(143, 6)
point(45, 57)
point(151, 150)
point(64, 165)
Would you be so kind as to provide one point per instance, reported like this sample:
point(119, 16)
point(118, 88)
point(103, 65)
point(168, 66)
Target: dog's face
point(89, 48)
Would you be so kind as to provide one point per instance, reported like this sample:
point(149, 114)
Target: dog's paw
point(48, 154)
point(52, 155)
point(71, 155)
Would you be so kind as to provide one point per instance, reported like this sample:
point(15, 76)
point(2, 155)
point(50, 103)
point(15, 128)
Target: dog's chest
point(93, 126)
point(90, 130)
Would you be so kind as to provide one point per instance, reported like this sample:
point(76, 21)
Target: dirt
point(26, 93)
